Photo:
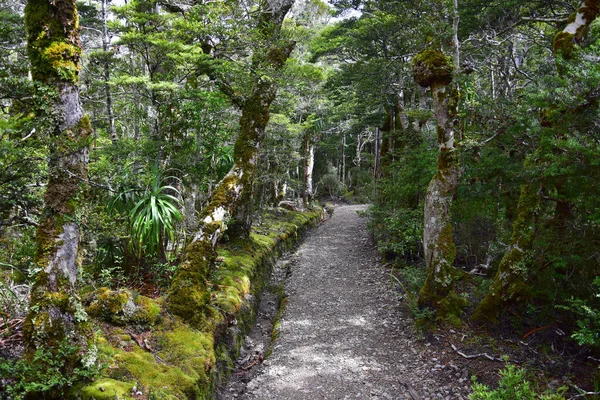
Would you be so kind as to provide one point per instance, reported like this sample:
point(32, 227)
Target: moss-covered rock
point(122, 307)
point(106, 389)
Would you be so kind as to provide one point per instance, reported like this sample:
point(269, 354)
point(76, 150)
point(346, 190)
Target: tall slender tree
point(56, 317)
point(432, 68)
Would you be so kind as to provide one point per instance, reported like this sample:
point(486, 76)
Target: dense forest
point(138, 137)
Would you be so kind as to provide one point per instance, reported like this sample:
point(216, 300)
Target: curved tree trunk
point(56, 316)
point(231, 203)
point(510, 283)
point(431, 68)
point(438, 242)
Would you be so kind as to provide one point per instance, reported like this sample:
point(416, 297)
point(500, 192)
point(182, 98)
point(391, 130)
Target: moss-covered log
point(56, 315)
point(432, 68)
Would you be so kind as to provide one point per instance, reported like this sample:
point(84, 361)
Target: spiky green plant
point(153, 217)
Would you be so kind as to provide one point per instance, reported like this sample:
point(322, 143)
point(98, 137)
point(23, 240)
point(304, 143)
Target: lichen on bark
point(510, 282)
point(56, 314)
point(432, 68)
point(565, 40)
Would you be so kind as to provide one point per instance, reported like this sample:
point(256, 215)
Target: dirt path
point(343, 334)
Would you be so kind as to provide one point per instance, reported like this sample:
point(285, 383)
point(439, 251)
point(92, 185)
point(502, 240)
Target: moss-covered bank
point(164, 358)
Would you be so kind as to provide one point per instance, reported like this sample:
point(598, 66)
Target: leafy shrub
point(398, 232)
point(47, 373)
point(410, 279)
point(589, 322)
point(332, 184)
point(512, 386)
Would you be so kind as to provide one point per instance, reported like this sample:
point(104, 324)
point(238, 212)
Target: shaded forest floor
point(345, 334)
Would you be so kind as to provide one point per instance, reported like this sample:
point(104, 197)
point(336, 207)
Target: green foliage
point(330, 183)
point(398, 233)
point(45, 373)
point(397, 216)
point(410, 279)
point(588, 312)
point(513, 385)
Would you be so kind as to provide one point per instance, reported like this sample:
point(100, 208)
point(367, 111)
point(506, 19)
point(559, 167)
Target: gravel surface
point(344, 334)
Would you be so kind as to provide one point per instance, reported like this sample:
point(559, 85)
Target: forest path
point(343, 334)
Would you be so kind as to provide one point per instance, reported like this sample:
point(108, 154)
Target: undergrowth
point(513, 385)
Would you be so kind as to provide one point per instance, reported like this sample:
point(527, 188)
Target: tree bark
point(574, 32)
point(510, 283)
point(56, 317)
point(107, 92)
point(431, 68)
point(231, 208)
point(377, 155)
point(309, 163)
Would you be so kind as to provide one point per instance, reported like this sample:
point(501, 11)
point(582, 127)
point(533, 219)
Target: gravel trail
point(344, 334)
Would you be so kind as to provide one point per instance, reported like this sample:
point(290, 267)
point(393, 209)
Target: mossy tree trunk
point(56, 316)
point(106, 67)
point(510, 282)
point(577, 27)
point(432, 68)
point(231, 206)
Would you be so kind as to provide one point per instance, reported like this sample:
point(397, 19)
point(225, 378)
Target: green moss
point(563, 44)
point(180, 369)
point(450, 308)
point(108, 305)
point(63, 59)
point(432, 68)
point(437, 291)
point(186, 361)
point(53, 42)
point(147, 311)
point(189, 295)
point(188, 348)
point(122, 307)
point(106, 389)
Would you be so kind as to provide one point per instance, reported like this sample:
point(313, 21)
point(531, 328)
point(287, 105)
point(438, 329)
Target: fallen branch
point(531, 332)
point(258, 359)
point(469, 356)
point(582, 393)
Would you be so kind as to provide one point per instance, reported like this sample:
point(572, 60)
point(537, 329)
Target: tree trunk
point(56, 317)
point(431, 68)
point(377, 155)
point(231, 202)
point(107, 92)
point(343, 177)
point(309, 163)
point(455, 41)
point(510, 283)
point(564, 41)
